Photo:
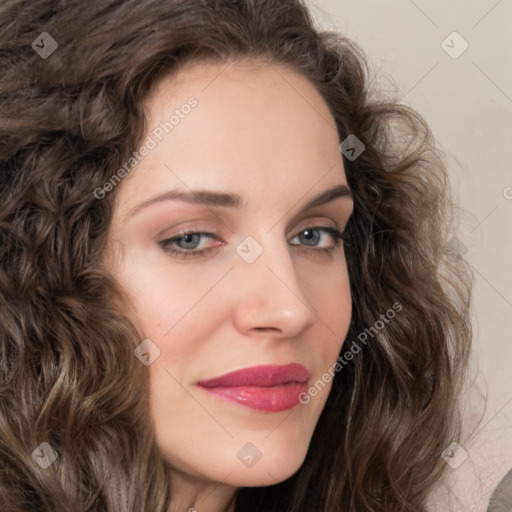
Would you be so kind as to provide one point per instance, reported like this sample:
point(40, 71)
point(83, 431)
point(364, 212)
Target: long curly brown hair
point(68, 375)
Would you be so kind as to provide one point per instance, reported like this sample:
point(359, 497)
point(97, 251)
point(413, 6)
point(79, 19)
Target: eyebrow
point(230, 200)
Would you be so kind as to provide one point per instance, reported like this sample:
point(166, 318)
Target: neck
point(189, 494)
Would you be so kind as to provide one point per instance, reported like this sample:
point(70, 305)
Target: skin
point(263, 132)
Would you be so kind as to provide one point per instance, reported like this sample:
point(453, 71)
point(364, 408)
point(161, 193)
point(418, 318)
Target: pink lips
point(269, 388)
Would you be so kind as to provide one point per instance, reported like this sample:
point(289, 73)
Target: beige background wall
point(466, 97)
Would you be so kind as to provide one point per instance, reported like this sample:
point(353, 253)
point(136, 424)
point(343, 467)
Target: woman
point(226, 282)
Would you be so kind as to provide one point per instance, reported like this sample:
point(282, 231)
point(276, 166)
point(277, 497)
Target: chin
point(275, 466)
point(264, 476)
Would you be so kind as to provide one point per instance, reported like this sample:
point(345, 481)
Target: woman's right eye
point(188, 244)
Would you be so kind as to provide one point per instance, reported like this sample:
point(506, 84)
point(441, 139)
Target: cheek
point(333, 304)
point(161, 295)
point(331, 298)
point(180, 313)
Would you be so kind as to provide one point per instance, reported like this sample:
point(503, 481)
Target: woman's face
point(262, 282)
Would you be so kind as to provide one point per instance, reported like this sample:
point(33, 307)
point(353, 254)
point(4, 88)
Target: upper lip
point(261, 376)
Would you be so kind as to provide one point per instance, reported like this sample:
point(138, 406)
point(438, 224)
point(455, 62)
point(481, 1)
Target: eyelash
point(337, 235)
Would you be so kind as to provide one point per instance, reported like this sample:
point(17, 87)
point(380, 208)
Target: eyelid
point(336, 234)
point(315, 222)
point(191, 226)
point(211, 227)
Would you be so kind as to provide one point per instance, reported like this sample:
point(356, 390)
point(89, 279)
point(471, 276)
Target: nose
point(270, 298)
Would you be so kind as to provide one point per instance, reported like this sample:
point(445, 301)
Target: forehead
point(256, 127)
point(210, 78)
point(253, 94)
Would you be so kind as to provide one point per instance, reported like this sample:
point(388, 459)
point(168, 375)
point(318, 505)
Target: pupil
point(189, 239)
point(310, 235)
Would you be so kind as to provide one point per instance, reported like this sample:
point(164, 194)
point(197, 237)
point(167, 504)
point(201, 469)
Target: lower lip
point(270, 399)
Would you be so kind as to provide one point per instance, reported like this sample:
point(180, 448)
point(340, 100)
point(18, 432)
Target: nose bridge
point(270, 293)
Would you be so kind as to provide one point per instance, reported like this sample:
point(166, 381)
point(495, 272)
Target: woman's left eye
point(189, 244)
point(320, 236)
